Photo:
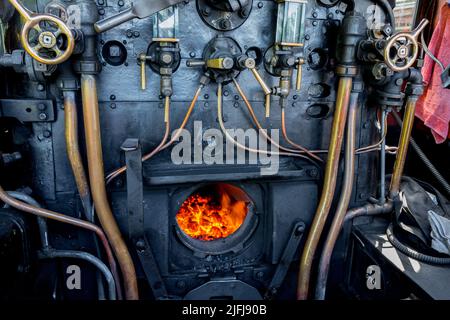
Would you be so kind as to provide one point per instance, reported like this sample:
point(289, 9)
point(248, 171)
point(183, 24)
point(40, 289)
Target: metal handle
point(407, 52)
point(266, 89)
point(47, 39)
point(143, 58)
point(115, 20)
point(298, 83)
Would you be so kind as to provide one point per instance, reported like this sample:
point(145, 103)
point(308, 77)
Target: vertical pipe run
point(344, 201)
point(96, 175)
point(383, 159)
point(402, 152)
point(329, 186)
point(73, 151)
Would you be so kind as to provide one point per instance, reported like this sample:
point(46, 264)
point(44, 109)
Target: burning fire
point(211, 217)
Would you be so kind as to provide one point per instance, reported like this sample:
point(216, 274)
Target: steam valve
point(48, 49)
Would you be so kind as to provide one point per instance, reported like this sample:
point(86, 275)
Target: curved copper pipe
point(288, 140)
point(264, 132)
point(44, 213)
point(163, 145)
point(96, 174)
point(329, 187)
point(237, 144)
point(73, 150)
point(300, 149)
point(344, 201)
point(110, 177)
point(185, 120)
point(374, 147)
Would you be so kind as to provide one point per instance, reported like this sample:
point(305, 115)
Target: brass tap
point(143, 58)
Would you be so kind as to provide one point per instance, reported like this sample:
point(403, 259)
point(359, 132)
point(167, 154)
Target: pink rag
point(433, 107)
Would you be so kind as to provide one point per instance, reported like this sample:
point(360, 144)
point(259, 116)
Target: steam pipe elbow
point(415, 76)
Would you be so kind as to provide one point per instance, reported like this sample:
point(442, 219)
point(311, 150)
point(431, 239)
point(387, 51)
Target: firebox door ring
point(234, 243)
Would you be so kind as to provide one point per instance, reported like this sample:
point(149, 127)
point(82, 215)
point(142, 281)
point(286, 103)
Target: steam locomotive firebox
point(210, 129)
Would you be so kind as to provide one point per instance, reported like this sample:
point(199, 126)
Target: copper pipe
point(329, 186)
point(376, 146)
point(288, 140)
point(166, 109)
point(73, 150)
point(405, 137)
point(264, 132)
point(47, 214)
point(96, 175)
point(177, 135)
point(110, 177)
point(164, 144)
point(344, 201)
point(237, 144)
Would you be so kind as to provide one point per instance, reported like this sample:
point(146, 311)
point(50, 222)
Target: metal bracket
point(286, 260)
point(28, 110)
point(135, 200)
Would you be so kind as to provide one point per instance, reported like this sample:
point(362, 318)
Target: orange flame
point(207, 217)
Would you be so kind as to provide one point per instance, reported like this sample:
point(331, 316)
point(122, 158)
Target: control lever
point(139, 9)
point(246, 62)
point(267, 91)
point(298, 82)
point(47, 39)
point(142, 60)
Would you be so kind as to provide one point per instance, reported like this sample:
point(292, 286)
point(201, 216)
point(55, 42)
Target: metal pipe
point(405, 137)
point(383, 159)
point(241, 146)
point(344, 201)
point(292, 143)
point(76, 163)
point(370, 209)
point(388, 11)
point(44, 213)
point(43, 233)
point(43, 230)
point(98, 187)
point(329, 187)
point(73, 151)
point(264, 132)
point(434, 171)
point(52, 254)
point(110, 177)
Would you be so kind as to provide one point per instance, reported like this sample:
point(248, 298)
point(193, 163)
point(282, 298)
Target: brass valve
point(47, 40)
point(402, 49)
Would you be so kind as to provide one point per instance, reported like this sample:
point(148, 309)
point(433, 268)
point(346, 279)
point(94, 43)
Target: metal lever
point(250, 64)
point(143, 58)
point(298, 83)
point(286, 259)
point(139, 9)
point(267, 91)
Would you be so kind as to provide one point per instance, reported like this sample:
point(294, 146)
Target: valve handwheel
point(402, 49)
point(47, 48)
